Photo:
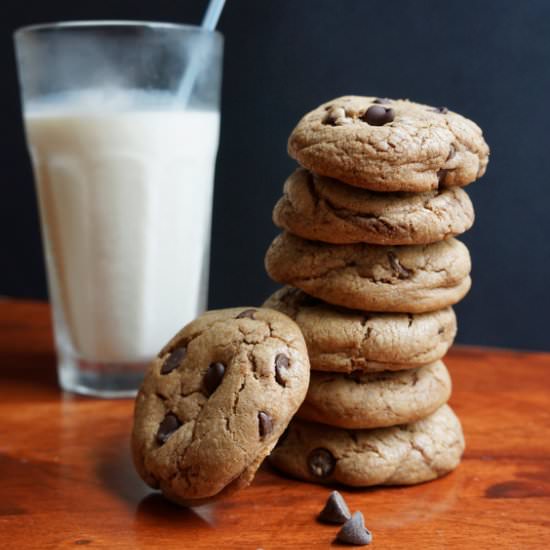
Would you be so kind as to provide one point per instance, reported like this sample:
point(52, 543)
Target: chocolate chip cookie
point(346, 340)
point(389, 145)
point(376, 400)
point(322, 209)
point(400, 455)
point(410, 279)
point(216, 400)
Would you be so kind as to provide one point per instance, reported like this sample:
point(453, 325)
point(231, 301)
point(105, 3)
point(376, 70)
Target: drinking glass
point(122, 124)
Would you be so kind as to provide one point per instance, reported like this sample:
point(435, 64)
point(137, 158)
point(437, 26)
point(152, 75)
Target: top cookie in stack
point(389, 145)
point(369, 222)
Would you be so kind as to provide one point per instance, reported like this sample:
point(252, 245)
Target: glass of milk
point(122, 122)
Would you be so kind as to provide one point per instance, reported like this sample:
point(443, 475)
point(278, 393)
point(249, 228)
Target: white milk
point(125, 196)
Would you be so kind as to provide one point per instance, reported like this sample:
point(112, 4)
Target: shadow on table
point(155, 508)
point(116, 472)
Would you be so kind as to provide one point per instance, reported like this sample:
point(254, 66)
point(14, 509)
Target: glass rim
point(106, 23)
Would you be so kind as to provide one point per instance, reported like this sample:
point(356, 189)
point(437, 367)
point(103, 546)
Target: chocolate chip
point(442, 110)
point(382, 100)
point(173, 360)
point(213, 377)
point(377, 115)
point(281, 364)
point(320, 462)
point(441, 175)
point(246, 314)
point(354, 531)
point(265, 424)
point(336, 510)
point(167, 427)
point(400, 270)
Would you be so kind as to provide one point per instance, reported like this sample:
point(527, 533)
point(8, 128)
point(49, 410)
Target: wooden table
point(66, 477)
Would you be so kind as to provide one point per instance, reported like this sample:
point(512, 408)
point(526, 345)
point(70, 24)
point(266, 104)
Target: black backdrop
point(488, 59)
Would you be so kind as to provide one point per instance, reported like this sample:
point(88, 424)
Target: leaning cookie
point(216, 400)
point(376, 400)
point(410, 279)
point(389, 145)
point(323, 209)
point(347, 340)
point(400, 455)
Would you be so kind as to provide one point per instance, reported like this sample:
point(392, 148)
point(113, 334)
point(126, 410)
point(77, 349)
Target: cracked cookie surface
point(399, 455)
point(216, 400)
point(376, 400)
point(410, 279)
point(407, 147)
point(346, 340)
point(323, 209)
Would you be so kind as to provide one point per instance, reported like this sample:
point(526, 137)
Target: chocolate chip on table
point(281, 364)
point(354, 531)
point(246, 314)
point(265, 424)
point(321, 462)
point(173, 360)
point(398, 268)
point(213, 377)
point(336, 510)
point(382, 100)
point(442, 110)
point(378, 115)
point(167, 427)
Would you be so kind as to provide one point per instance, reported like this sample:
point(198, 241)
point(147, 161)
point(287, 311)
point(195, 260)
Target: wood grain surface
point(66, 477)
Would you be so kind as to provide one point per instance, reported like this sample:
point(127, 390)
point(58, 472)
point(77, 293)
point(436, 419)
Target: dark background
point(489, 60)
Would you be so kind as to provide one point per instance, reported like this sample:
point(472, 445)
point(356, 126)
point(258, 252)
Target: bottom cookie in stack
point(397, 455)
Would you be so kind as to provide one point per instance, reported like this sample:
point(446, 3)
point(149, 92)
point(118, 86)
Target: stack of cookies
point(372, 268)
